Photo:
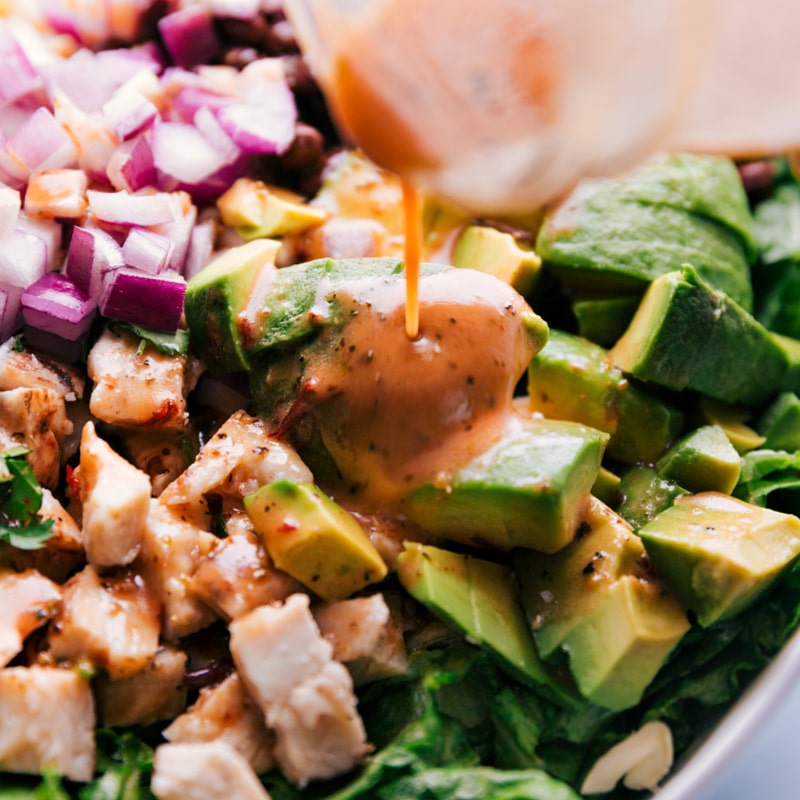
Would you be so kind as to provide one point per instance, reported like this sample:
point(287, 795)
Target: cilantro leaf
point(20, 500)
point(168, 344)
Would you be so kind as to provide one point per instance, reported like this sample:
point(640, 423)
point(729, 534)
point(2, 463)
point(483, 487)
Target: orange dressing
point(412, 220)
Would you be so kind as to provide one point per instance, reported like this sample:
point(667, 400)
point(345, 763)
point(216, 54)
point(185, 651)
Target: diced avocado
point(606, 486)
point(623, 233)
point(526, 490)
point(732, 419)
point(603, 320)
point(645, 494)
point(597, 604)
point(718, 554)
point(490, 250)
point(572, 378)
point(686, 335)
point(703, 461)
point(257, 210)
point(217, 297)
point(479, 598)
point(313, 539)
point(791, 352)
point(780, 423)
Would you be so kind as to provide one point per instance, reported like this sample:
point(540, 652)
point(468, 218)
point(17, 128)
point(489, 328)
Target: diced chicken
point(37, 419)
point(21, 368)
point(276, 648)
point(116, 500)
point(236, 461)
point(62, 553)
point(162, 454)
point(365, 636)
point(111, 622)
point(238, 575)
point(156, 693)
point(170, 549)
point(28, 600)
point(388, 533)
point(319, 733)
point(46, 720)
point(203, 771)
point(136, 386)
point(225, 713)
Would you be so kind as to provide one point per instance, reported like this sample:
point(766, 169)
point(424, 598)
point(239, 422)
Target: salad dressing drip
point(412, 247)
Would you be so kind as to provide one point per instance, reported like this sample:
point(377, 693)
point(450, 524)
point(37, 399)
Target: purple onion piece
point(55, 304)
point(152, 301)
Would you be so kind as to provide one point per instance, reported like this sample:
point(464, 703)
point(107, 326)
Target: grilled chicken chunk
point(46, 720)
point(136, 386)
point(28, 601)
point(225, 713)
point(116, 500)
point(111, 622)
point(22, 368)
point(204, 771)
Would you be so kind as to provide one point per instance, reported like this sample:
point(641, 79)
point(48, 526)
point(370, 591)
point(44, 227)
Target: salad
point(256, 541)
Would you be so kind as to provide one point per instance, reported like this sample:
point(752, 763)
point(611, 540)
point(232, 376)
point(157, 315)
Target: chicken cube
point(21, 368)
point(318, 731)
point(170, 549)
point(161, 454)
point(365, 636)
point(46, 720)
point(111, 622)
point(236, 461)
point(136, 386)
point(225, 713)
point(203, 771)
point(37, 419)
point(152, 695)
point(28, 600)
point(276, 648)
point(116, 501)
point(238, 574)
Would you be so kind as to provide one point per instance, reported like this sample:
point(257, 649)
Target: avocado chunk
point(620, 234)
point(218, 297)
point(313, 539)
point(703, 461)
point(480, 599)
point(718, 554)
point(603, 320)
point(572, 378)
point(645, 494)
point(606, 486)
point(526, 490)
point(257, 210)
point(499, 253)
point(780, 423)
point(732, 419)
point(686, 335)
point(597, 604)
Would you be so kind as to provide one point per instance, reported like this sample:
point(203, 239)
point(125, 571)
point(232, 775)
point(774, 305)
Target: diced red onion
point(18, 78)
point(201, 247)
point(129, 112)
point(48, 231)
point(125, 208)
point(10, 311)
point(23, 260)
point(239, 9)
point(56, 305)
point(92, 253)
point(57, 193)
point(190, 99)
point(153, 301)
point(85, 20)
point(189, 36)
point(41, 143)
point(147, 250)
point(179, 231)
point(10, 204)
point(264, 129)
point(131, 166)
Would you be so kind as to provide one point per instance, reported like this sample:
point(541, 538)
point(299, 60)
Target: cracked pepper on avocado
point(256, 542)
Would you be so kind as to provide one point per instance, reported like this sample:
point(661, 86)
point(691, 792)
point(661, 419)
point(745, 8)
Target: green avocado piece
point(606, 486)
point(479, 598)
point(623, 233)
point(603, 320)
point(218, 296)
point(732, 419)
point(572, 378)
point(645, 494)
point(780, 423)
point(490, 250)
point(718, 554)
point(703, 461)
point(686, 335)
point(311, 538)
point(526, 490)
point(597, 605)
